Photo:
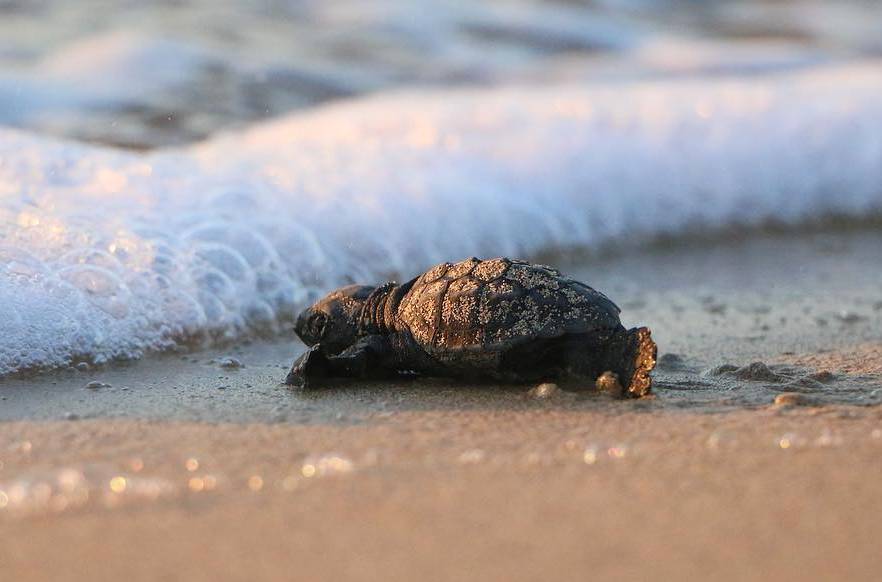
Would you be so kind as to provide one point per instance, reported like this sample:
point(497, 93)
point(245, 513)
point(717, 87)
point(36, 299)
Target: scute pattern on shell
point(436, 272)
point(498, 303)
point(489, 270)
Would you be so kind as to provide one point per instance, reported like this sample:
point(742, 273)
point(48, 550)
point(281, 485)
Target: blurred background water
point(148, 74)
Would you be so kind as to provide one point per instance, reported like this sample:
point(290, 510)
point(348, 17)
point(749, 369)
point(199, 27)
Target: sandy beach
point(178, 468)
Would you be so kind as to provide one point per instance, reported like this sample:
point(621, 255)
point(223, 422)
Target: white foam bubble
point(109, 255)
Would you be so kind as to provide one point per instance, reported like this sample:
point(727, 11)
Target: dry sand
point(180, 469)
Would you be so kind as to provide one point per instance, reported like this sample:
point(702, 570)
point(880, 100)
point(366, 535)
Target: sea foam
point(108, 255)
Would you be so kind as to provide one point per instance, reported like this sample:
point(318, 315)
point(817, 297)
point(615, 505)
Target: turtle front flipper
point(369, 357)
point(312, 365)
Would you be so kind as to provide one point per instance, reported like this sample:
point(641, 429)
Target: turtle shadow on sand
point(679, 382)
point(425, 394)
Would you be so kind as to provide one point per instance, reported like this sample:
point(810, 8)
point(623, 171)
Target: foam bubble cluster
point(107, 255)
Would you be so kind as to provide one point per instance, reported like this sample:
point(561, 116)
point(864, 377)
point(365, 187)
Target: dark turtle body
point(499, 319)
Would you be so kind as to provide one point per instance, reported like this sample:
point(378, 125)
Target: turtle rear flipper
point(636, 361)
point(628, 356)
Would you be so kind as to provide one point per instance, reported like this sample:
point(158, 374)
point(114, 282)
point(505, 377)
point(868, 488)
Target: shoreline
point(802, 305)
point(825, 239)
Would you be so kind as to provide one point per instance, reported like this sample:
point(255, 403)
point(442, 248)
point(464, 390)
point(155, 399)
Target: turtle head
point(333, 321)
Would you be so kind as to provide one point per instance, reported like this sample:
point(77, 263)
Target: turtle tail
point(631, 354)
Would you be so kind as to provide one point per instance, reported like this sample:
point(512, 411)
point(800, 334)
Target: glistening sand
point(182, 469)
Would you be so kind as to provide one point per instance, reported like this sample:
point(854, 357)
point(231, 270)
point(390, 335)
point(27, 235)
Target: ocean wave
point(127, 87)
point(163, 75)
point(109, 255)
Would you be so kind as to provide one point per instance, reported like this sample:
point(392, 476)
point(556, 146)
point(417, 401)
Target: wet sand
point(178, 468)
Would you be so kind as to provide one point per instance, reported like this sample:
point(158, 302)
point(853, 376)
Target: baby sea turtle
point(497, 319)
